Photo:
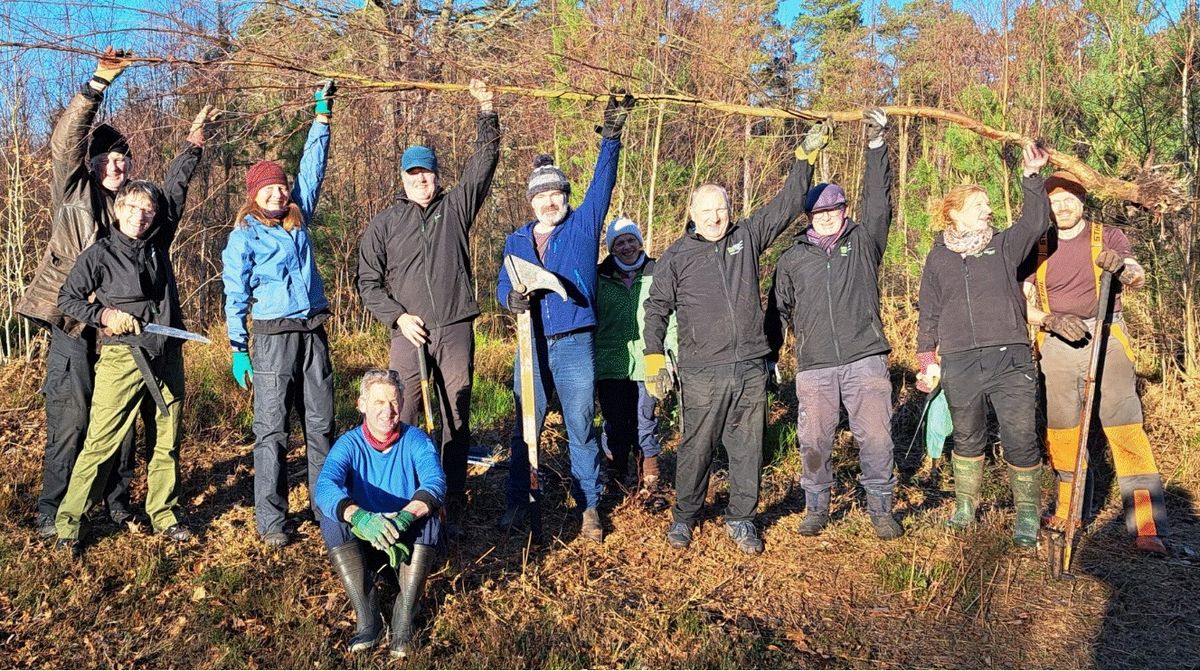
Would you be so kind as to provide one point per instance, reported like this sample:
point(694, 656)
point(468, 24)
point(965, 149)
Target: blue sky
point(788, 9)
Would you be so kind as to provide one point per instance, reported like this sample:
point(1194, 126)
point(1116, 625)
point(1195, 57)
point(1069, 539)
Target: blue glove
point(243, 370)
point(324, 97)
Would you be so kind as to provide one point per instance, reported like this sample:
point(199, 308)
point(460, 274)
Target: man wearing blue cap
point(414, 275)
point(827, 286)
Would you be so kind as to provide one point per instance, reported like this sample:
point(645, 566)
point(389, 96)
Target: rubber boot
point(513, 517)
point(412, 584)
point(1027, 500)
point(879, 507)
point(968, 478)
point(349, 566)
point(816, 513)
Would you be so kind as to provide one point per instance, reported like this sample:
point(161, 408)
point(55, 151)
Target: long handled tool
point(527, 278)
point(921, 420)
point(426, 402)
point(1062, 548)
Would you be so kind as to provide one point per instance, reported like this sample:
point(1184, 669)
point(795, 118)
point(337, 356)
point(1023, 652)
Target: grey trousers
point(866, 390)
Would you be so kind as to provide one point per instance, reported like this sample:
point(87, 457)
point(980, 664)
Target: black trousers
point(70, 379)
point(1005, 376)
point(451, 367)
point(727, 404)
point(291, 370)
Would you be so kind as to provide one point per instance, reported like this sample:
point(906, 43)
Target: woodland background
point(1113, 82)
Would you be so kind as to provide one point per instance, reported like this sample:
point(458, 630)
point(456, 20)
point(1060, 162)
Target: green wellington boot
point(968, 478)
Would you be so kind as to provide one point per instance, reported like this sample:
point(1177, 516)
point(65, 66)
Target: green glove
point(403, 520)
point(243, 370)
point(397, 554)
point(375, 529)
point(324, 97)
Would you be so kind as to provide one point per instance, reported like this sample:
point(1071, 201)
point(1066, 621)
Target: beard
point(552, 218)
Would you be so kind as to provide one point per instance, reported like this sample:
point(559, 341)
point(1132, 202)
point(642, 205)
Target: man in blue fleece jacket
point(379, 490)
point(566, 242)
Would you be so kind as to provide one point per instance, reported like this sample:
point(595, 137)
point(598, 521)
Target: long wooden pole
point(1154, 192)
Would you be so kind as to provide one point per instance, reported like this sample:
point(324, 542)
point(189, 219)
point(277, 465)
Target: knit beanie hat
point(262, 174)
point(1065, 181)
point(546, 177)
point(620, 226)
point(824, 197)
point(107, 139)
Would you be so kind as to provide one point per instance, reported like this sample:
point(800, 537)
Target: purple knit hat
point(824, 197)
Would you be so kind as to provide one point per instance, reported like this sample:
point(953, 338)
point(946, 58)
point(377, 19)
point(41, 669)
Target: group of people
point(629, 330)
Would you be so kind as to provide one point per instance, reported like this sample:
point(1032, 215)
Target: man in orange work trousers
point(1063, 286)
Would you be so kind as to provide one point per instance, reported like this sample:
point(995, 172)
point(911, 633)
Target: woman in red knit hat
point(269, 264)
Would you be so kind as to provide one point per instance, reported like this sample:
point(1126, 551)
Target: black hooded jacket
point(135, 276)
point(832, 300)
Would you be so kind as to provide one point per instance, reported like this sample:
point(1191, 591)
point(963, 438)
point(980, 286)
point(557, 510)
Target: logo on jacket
point(844, 250)
point(735, 248)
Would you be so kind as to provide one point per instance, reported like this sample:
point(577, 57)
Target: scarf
point(632, 267)
point(824, 241)
point(381, 445)
point(970, 242)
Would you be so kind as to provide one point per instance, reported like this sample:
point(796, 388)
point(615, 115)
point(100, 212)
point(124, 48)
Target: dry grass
point(844, 599)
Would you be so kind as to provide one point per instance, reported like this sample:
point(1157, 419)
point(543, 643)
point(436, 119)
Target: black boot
point(456, 511)
point(412, 583)
point(349, 566)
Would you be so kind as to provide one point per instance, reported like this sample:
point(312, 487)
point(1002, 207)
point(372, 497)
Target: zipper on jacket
point(837, 350)
point(428, 256)
point(970, 311)
point(728, 299)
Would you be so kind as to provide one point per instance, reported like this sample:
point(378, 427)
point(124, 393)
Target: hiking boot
point(275, 540)
point(968, 478)
point(879, 507)
point(513, 517)
point(649, 472)
point(131, 521)
point(349, 566)
point(70, 547)
point(591, 528)
point(178, 533)
point(744, 534)
point(1150, 545)
point(1027, 500)
point(45, 527)
point(816, 513)
point(455, 509)
point(679, 536)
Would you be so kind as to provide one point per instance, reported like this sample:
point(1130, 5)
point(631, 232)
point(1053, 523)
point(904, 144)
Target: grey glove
point(814, 140)
point(874, 124)
point(517, 301)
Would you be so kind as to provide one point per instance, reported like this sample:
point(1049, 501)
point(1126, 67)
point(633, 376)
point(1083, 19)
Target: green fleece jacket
point(620, 317)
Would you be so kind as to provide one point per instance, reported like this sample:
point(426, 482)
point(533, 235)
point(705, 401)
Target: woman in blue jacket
point(269, 262)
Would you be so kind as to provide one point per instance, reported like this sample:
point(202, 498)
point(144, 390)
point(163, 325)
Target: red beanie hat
point(262, 174)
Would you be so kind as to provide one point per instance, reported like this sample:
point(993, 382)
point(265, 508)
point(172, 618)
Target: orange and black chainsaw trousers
point(1064, 370)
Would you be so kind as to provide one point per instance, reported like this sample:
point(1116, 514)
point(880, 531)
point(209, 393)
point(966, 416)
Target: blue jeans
point(565, 366)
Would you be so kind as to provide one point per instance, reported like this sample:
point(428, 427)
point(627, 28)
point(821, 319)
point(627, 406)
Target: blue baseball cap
point(418, 156)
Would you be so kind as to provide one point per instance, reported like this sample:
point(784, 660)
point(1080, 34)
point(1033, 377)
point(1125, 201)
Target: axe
point(528, 277)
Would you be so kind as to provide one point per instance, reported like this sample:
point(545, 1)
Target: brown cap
point(1065, 181)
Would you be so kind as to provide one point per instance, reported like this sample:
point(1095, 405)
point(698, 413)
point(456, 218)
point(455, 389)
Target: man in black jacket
point(709, 279)
point(414, 275)
point(827, 285)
